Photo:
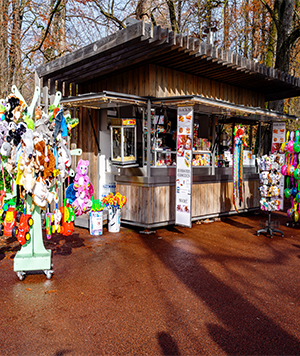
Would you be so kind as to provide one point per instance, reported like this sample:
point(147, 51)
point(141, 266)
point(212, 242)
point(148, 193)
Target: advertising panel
point(184, 174)
point(278, 138)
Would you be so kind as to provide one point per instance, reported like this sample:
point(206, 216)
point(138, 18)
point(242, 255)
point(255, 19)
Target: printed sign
point(278, 138)
point(128, 122)
point(184, 174)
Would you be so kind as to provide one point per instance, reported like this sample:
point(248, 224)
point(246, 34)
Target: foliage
point(33, 32)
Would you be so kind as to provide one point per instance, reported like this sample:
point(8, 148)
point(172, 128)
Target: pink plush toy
point(81, 177)
point(83, 187)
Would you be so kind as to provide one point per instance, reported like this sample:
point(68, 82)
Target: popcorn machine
point(123, 142)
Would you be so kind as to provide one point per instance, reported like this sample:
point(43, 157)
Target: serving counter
point(152, 199)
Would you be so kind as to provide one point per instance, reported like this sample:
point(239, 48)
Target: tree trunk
point(143, 10)
point(15, 70)
point(172, 14)
point(284, 9)
point(3, 48)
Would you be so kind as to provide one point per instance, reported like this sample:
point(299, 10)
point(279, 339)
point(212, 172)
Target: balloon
point(290, 169)
point(284, 170)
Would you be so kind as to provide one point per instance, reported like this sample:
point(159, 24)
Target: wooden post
point(45, 94)
point(213, 168)
point(148, 137)
point(37, 84)
point(52, 91)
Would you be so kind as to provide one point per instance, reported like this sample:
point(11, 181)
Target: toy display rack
point(33, 256)
point(269, 229)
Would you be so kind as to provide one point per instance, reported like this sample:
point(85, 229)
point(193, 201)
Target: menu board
point(184, 174)
point(278, 135)
point(278, 138)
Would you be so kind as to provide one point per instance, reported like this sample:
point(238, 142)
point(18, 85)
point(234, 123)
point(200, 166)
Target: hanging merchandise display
point(291, 169)
point(270, 175)
point(36, 158)
point(239, 142)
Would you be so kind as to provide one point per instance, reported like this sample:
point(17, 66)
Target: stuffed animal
point(83, 203)
point(64, 158)
point(60, 124)
point(81, 177)
point(40, 193)
point(57, 215)
point(3, 131)
point(27, 178)
point(27, 142)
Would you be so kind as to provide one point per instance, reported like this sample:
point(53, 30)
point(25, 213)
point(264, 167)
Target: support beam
point(45, 94)
point(148, 137)
point(52, 91)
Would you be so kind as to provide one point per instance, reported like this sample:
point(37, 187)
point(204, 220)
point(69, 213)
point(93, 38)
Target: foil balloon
point(284, 170)
point(298, 197)
point(297, 173)
point(290, 145)
point(287, 192)
point(296, 216)
point(290, 169)
point(290, 212)
point(297, 143)
point(294, 192)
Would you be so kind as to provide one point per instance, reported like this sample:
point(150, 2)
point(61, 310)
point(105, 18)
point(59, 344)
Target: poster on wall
point(278, 138)
point(184, 173)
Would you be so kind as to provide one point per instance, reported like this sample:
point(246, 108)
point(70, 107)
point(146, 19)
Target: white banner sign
point(278, 138)
point(184, 173)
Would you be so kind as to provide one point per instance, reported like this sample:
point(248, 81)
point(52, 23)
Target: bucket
point(114, 220)
point(96, 222)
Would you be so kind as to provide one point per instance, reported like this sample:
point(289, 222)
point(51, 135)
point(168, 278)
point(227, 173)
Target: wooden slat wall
point(166, 82)
point(158, 81)
point(86, 141)
point(155, 205)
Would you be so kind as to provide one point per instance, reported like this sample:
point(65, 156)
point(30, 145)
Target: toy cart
point(33, 256)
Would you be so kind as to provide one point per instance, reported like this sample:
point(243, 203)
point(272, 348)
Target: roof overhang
point(220, 107)
point(141, 44)
point(103, 100)
point(107, 99)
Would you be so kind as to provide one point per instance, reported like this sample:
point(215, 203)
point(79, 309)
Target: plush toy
point(81, 177)
point(27, 142)
point(40, 193)
point(57, 215)
point(60, 124)
point(39, 159)
point(3, 131)
point(82, 203)
point(64, 158)
point(28, 178)
point(71, 193)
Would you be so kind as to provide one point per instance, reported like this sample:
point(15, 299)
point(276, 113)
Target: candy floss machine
point(123, 142)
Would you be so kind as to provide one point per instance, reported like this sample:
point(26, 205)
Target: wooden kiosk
point(148, 72)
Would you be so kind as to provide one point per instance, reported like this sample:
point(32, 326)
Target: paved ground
point(215, 289)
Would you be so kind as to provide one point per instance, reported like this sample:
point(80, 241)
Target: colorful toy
point(57, 215)
point(10, 220)
point(48, 221)
point(68, 218)
point(237, 166)
point(22, 231)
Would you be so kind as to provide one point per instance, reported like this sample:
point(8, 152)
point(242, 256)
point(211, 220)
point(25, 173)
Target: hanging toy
point(237, 167)
point(68, 218)
point(49, 220)
point(297, 143)
point(290, 145)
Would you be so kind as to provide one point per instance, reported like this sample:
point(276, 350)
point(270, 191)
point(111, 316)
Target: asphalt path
point(214, 289)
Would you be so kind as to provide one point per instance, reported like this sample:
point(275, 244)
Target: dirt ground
point(214, 289)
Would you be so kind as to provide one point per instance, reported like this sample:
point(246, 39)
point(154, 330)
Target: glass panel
point(116, 138)
point(129, 144)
